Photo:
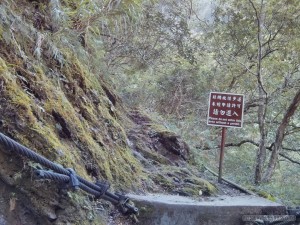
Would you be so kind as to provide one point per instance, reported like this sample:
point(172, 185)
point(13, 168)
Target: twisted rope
point(42, 174)
point(14, 146)
point(62, 174)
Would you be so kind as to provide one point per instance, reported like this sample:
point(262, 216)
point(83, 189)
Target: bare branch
point(289, 158)
point(230, 145)
point(241, 143)
point(238, 61)
point(256, 144)
point(291, 149)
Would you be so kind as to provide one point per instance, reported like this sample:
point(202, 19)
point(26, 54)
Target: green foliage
point(160, 56)
point(284, 187)
point(175, 60)
point(63, 80)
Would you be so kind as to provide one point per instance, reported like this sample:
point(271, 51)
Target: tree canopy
point(175, 56)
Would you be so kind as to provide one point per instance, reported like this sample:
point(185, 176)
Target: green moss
point(131, 170)
point(1, 32)
point(48, 133)
point(115, 161)
point(203, 184)
point(145, 211)
point(67, 87)
point(211, 188)
point(3, 66)
point(40, 74)
point(111, 154)
point(266, 195)
point(159, 128)
point(76, 71)
point(189, 191)
point(182, 181)
point(163, 181)
point(19, 98)
point(141, 147)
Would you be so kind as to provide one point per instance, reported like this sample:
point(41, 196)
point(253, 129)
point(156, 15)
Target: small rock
point(51, 216)
point(176, 179)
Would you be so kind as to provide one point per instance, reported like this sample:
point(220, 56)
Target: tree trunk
point(261, 114)
point(280, 136)
point(261, 152)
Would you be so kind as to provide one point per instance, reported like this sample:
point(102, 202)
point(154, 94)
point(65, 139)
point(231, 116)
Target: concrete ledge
point(222, 210)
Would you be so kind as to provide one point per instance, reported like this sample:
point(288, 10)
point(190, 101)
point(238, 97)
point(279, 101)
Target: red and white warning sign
point(225, 109)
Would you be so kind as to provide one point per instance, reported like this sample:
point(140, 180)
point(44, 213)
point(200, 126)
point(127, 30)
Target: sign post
point(222, 154)
point(225, 110)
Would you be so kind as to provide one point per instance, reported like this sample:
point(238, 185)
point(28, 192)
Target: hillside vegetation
point(180, 51)
point(56, 99)
point(118, 90)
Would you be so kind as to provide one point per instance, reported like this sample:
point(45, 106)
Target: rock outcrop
point(165, 157)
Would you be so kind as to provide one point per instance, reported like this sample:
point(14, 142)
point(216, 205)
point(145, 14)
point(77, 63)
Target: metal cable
point(42, 174)
point(64, 174)
point(12, 145)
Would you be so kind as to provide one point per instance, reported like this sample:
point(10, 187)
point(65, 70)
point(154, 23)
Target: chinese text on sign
point(225, 109)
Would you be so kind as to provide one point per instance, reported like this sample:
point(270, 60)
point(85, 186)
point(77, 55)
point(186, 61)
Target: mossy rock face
point(174, 180)
point(164, 155)
point(172, 143)
point(149, 138)
point(52, 102)
point(165, 182)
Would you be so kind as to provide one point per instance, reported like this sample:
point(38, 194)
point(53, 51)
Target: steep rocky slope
point(54, 101)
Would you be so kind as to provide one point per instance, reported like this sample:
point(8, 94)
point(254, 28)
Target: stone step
point(222, 210)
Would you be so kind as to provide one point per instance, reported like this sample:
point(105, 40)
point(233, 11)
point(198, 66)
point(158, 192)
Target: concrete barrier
point(222, 210)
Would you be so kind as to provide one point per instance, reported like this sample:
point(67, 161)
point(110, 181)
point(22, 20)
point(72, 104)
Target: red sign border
point(242, 118)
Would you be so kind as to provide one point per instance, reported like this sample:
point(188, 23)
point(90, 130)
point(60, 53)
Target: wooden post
point(222, 154)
